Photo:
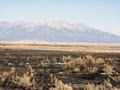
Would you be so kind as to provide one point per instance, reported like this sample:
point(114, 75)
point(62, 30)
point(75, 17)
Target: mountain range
point(54, 31)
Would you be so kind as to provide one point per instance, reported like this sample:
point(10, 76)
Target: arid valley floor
point(59, 67)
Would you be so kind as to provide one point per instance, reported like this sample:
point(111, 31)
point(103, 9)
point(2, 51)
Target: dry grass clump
point(115, 80)
point(25, 82)
point(108, 69)
point(6, 77)
point(43, 64)
point(59, 85)
point(67, 59)
point(11, 79)
point(87, 64)
point(3, 76)
point(105, 86)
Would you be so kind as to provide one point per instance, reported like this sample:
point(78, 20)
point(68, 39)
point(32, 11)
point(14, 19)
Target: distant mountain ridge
point(54, 31)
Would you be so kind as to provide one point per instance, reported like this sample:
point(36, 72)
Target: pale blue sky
point(100, 14)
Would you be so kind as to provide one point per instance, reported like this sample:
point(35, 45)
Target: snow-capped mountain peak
point(64, 24)
point(54, 31)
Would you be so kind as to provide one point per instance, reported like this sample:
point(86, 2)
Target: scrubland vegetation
point(28, 80)
point(52, 70)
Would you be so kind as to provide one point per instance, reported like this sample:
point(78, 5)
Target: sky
point(100, 14)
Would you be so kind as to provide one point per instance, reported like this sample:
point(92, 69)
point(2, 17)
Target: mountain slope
point(55, 31)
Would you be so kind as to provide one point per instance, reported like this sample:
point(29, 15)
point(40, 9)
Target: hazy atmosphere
point(99, 14)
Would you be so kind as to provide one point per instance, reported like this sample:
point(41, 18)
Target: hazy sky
point(100, 14)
